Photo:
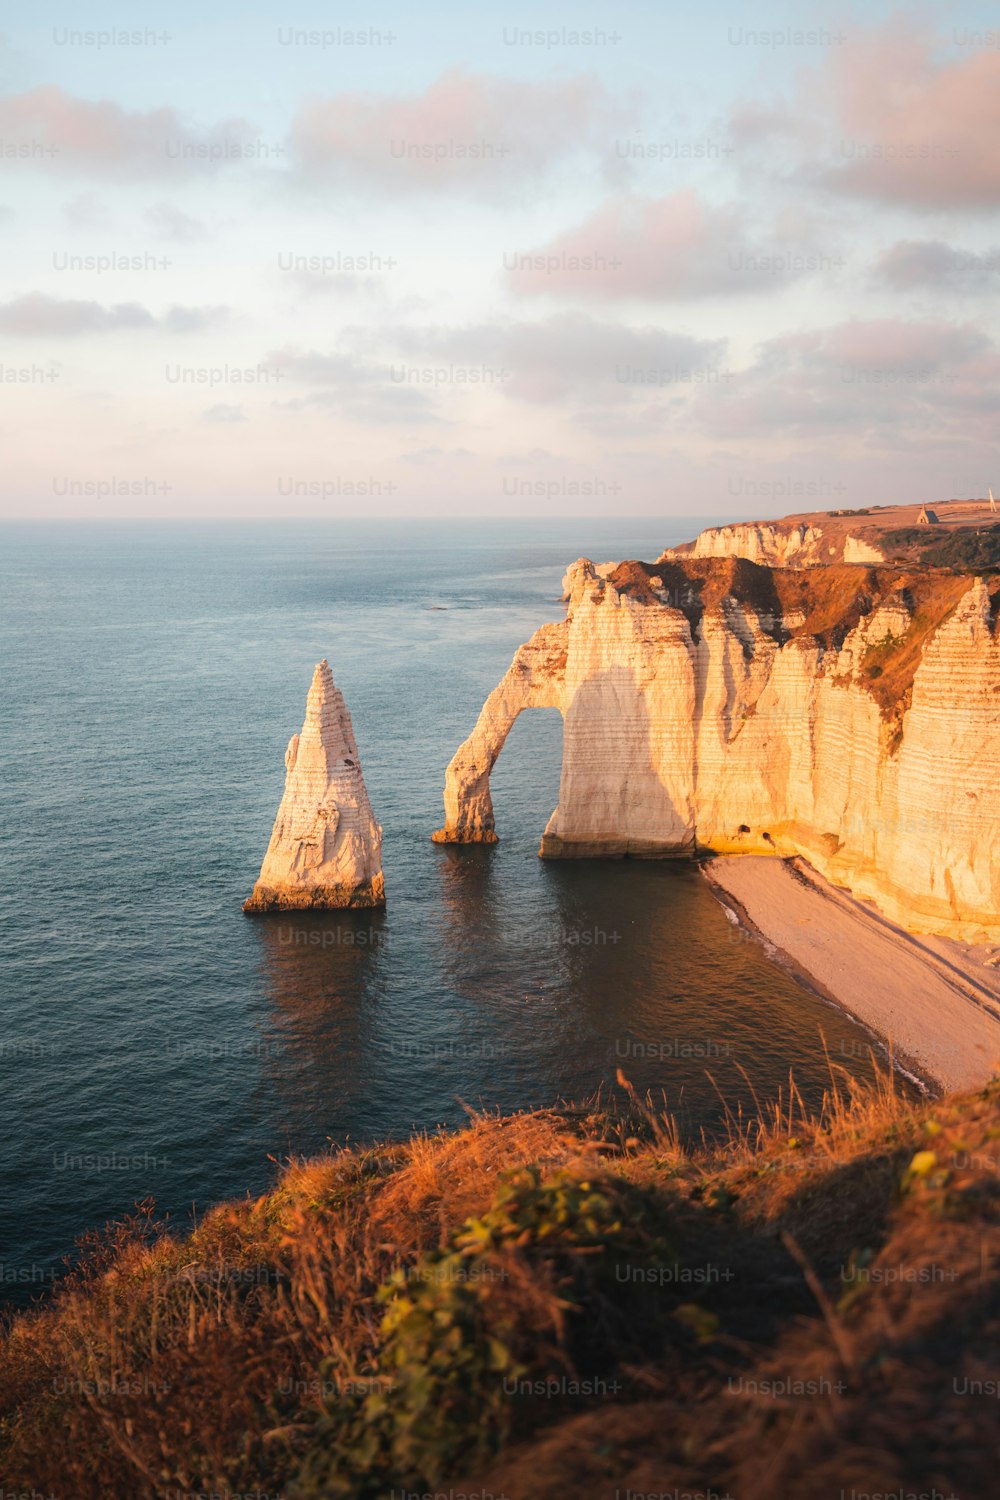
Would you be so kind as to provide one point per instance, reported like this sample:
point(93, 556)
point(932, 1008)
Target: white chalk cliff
point(779, 544)
point(326, 847)
point(847, 714)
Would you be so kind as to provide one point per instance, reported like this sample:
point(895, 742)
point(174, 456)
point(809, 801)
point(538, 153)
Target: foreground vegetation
point(967, 549)
point(545, 1305)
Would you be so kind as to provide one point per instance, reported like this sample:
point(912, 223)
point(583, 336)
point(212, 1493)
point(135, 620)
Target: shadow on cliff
point(609, 738)
point(611, 792)
point(696, 584)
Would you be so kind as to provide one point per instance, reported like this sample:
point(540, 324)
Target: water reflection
point(468, 911)
point(512, 982)
point(683, 1002)
point(321, 972)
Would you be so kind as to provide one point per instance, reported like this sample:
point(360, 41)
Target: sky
point(639, 259)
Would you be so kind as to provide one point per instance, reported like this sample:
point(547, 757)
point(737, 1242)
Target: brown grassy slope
point(693, 1319)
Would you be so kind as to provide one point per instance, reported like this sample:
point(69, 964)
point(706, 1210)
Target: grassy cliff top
point(894, 530)
point(544, 1305)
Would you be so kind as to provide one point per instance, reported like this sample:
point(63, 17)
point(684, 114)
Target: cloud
point(885, 380)
point(361, 390)
point(564, 358)
point(679, 246)
point(36, 315)
point(193, 319)
point(888, 344)
point(374, 408)
point(342, 284)
point(86, 211)
point(312, 368)
point(170, 223)
point(464, 131)
point(392, 404)
point(223, 413)
point(51, 129)
point(534, 455)
point(912, 265)
point(892, 116)
point(759, 124)
point(921, 131)
point(436, 455)
point(567, 355)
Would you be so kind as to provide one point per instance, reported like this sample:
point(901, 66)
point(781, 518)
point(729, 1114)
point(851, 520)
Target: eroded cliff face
point(326, 847)
point(779, 544)
point(850, 715)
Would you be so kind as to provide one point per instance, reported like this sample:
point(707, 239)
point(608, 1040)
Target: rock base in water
point(369, 894)
point(554, 847)
point(464, 836)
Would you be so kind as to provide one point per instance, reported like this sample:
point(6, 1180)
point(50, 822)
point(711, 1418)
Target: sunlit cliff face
point(848, 714)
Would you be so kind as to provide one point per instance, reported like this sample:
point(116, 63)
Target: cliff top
point(874, 519)
point(964, 534)
point(829, 600)
point(822, 603)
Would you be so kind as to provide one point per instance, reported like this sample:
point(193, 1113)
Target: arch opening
point(524, 782)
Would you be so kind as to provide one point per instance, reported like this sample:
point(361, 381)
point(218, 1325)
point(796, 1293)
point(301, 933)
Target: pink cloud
point(46, 127)
point(883, 382)
point(887, 343)
point(892, 116)
point(921, 130)
point(676, 246)
point(464, 129)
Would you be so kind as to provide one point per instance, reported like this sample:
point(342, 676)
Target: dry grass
point(263, 1351)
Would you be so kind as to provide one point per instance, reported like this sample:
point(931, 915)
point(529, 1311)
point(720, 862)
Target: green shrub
point(969, 549)
point(529, 1289)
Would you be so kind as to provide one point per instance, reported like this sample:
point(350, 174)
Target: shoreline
point(930, 1002)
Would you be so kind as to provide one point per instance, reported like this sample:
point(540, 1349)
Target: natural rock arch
point(534, 679)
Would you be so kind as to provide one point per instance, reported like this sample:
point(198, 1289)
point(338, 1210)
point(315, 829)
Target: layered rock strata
point(847, 714)
point(780, 544)
point(873, 534)
point(326, 847)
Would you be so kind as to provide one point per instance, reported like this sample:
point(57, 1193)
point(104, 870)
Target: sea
point(155, 1042)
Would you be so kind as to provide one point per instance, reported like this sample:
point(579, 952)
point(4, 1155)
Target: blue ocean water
point(154, 1040)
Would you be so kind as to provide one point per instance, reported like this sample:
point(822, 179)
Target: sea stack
point(326, 847)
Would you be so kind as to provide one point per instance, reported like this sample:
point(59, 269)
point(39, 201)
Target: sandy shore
point(933, 1000)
